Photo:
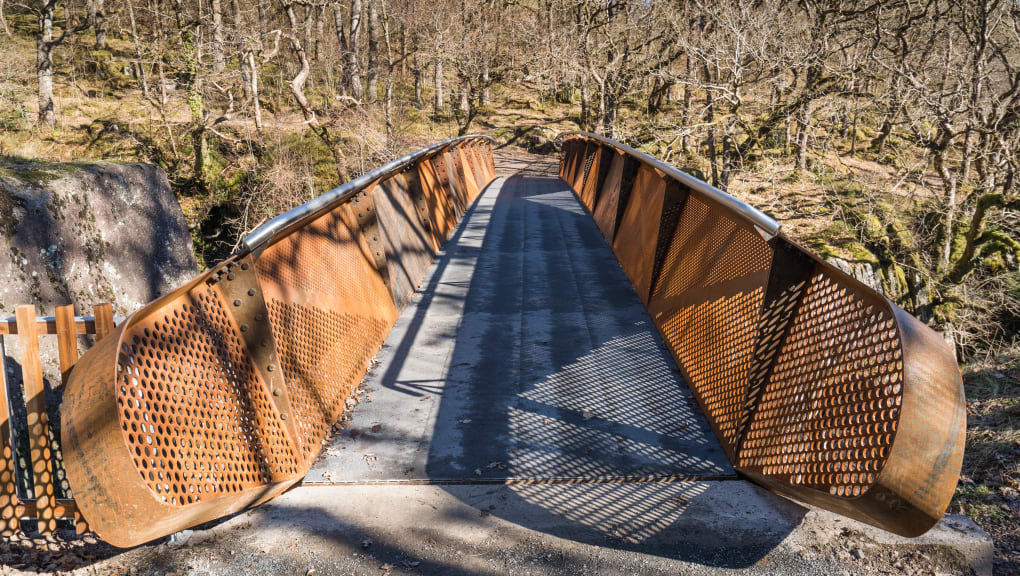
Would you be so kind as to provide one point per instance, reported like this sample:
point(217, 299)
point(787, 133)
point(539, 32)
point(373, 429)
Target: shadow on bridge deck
point(526, 358)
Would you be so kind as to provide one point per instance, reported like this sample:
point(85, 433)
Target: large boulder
point(89, 233)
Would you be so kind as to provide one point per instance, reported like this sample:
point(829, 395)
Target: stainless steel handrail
point(760, 219)
point(295, 217)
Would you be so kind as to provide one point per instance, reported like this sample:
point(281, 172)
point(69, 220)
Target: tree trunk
point(389, 78)
point(438, 102)
point(585, 106)
point(486, 80)
point(353, 72)
point(139, 64)
point(949, 198)
point(320, 27)
point(372, 74)
point(341, 39)
point(804, 128)
point(728, 153)
point(253, 89)
point(710, 119)
point(403, 51)
point(239, 33)
point(99, 21)
point(610, 104)
point(419, 81)
point(219, 61)
point(685, 111)
point(3, 20)
point(44, 64)
point(297, 89)
point(263, 23)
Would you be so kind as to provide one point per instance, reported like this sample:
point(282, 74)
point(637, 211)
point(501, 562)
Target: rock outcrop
point(89, 233)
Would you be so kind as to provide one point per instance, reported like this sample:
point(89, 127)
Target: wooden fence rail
point(44, 506)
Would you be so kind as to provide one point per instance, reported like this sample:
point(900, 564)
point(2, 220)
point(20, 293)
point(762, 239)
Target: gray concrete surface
point(525, 355)
point(685, 528)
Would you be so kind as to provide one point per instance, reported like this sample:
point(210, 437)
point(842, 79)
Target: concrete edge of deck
point(700, 528)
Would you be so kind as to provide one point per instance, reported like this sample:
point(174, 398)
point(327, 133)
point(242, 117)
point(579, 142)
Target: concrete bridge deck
point(525, 356)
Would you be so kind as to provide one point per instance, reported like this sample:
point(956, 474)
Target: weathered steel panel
point(442, 209)
point(706, 305)
point(408, 253)
point(638, 234)
point(170, 421)
point(609, 197)
point(325, 330)
point(466, 175)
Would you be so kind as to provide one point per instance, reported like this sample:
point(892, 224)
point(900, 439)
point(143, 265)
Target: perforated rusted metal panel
point(609, 197)
point(593, 180)
point(585, 153)
point(466, 175)
point(217, 396)
point(639, 230)
point(455, 183)
point(326, 330)
point(173, 419)
point(706, 305)
point(440, 201)
point(816, 386)
point(408, 254)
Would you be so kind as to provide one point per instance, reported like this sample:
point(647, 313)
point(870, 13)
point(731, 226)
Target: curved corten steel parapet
point(217, 396)
point(817, 387)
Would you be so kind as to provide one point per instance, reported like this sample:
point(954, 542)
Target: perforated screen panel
point(330, 311)
point(706, 304)
point(196, 416)
point(816, 386)
point(828, 415)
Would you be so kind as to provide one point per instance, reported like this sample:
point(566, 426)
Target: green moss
point(8, 203)
point(35, 173)
point(859, 253)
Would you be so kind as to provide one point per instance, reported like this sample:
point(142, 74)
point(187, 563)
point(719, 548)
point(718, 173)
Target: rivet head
point(270, 368)
point(231, 276)
point(258, 317)
point(244, 265)
point(244, 327)
point(265, 343)
point(251, 291)
point(283, 416)
point(277, 392)
point(237, 302)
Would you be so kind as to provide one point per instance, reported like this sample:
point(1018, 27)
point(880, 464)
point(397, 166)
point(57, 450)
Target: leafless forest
point(884, 134)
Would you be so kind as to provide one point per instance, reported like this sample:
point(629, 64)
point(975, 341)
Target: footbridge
point(431, 323)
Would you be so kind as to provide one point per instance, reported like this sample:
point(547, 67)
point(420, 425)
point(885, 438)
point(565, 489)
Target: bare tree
point(45, 44)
